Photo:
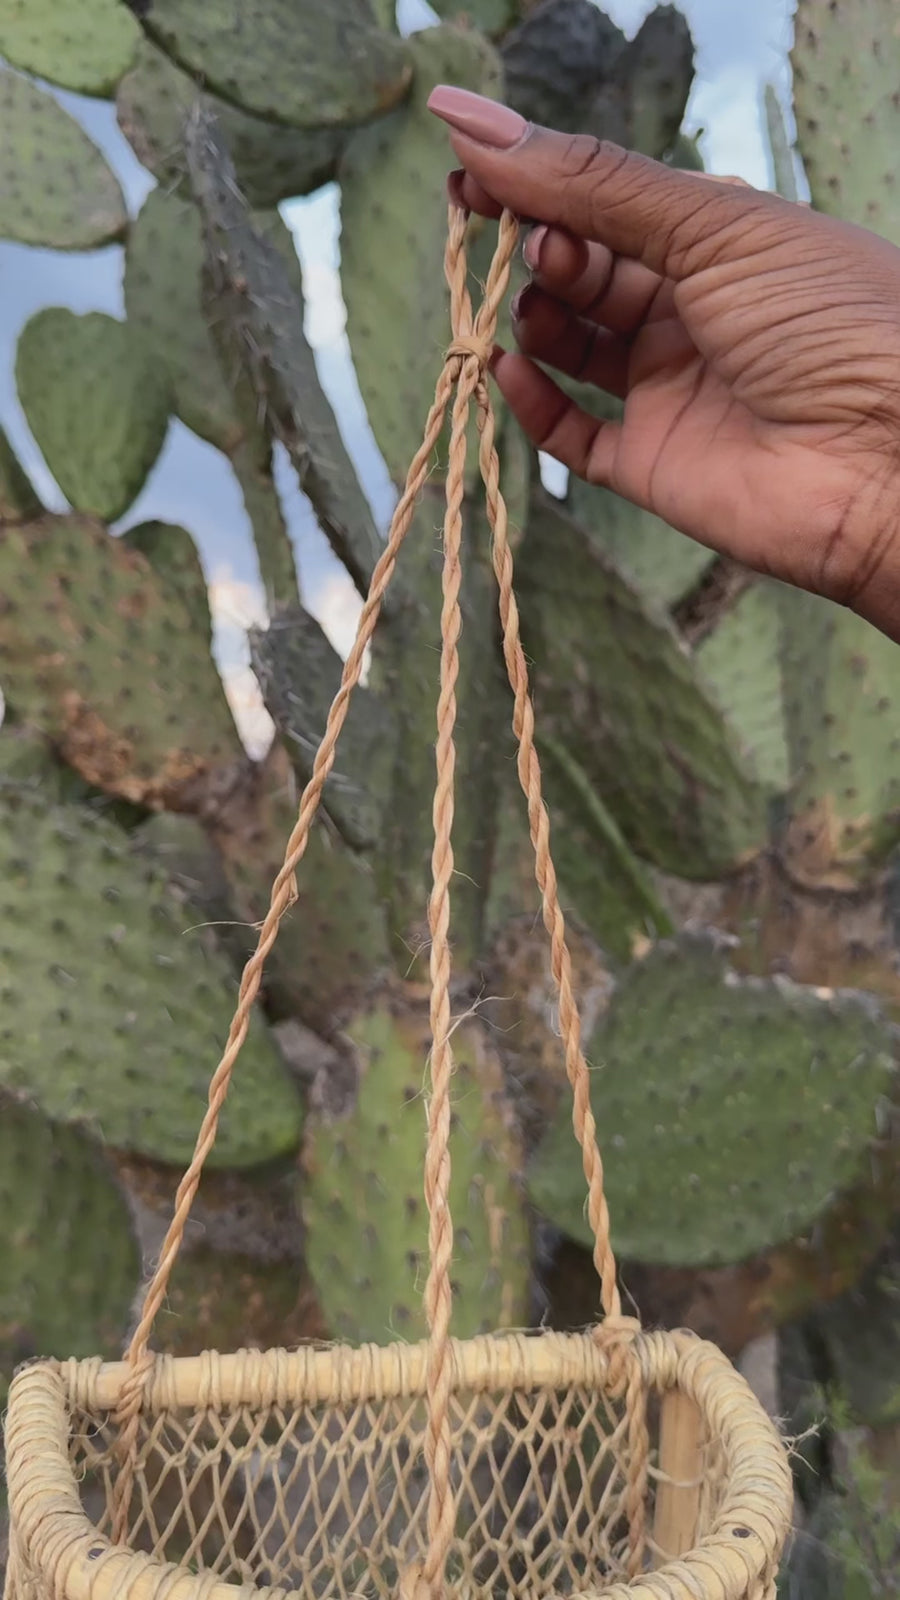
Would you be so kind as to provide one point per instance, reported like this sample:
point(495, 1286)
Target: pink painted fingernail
point(533, 246)
point(482, 120)
point(518, 305)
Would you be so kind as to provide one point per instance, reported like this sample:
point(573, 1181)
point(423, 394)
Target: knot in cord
point(616, 1335)
point(470, 344)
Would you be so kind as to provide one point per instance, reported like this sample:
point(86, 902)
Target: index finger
point(675, 222)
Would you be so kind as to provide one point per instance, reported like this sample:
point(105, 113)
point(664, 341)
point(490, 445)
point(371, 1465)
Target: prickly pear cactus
point(118, 1005)
point(18, 498)
point(56, 189)
point(308, 69)
point(845, 60)
point(101, 653)
point(731, 1112)
point(393, 232)
point(69, 1260)
point(174, 557)
point(272, 163)
point(88, 52)
point(685, 802)
point(256, 303)
point(555, 60)
point(740, 661)
point(362, 1189)
point(163, 298)
point(841, 697)
point(100, 448)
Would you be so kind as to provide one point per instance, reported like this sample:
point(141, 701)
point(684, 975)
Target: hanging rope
point(464, 369)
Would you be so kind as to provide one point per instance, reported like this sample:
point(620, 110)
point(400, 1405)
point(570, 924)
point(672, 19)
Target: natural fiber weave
point(521, 1466)
point(303, 1472)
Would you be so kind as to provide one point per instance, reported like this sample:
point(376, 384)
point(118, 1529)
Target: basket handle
point(465, 368)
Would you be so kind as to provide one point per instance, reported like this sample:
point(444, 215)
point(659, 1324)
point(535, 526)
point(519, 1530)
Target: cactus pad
point(393, 206)
point(643, 105)
point(614, 683)
point(848, 119)
point(117, 1004)
point(163, 298)
point(332, 944)
point(18, 499)
point(299, 673)
point(87, 51)
point(492, 17)
point(101, 654)
point(362, 1190)
point(97, 401)
point(69, 1260)
point(555, 61)
point(315, 68)
point(842, 699)
point(56, 189)
point(662, 563)
point(272, 163)
point(173, 555)
point(731, 1112)
point(739, 661)
point(257, 304)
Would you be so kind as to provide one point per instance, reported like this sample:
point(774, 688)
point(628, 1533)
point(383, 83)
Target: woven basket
point(521, 1465)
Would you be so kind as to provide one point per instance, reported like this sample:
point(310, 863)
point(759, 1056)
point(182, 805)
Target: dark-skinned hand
point(755, 343)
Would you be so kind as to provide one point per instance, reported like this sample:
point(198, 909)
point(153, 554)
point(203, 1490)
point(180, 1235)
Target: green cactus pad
point(842, 701)
point(96, 398)
point(731, 1112)
point(642, 106)
point(299, 674)
point(101, 654)
point(614, 685)
point(163, 298)
point(272, 163)
point(117, 1003)
point(18, 499)
point(405, 676)
point(858, 1337)
point(257, 304)
point(556, 60)
point(848, 119)
point(173, 555)
point(332, 944)
point(316, 68)
point(492, 17)
point(739, 661)
point(56, 189)
point(393, 210)
point(87, 51)
point(662, 563)
point(69, 1260)
point(362, 1193)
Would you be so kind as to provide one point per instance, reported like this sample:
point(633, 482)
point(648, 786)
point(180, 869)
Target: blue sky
point(739, 48)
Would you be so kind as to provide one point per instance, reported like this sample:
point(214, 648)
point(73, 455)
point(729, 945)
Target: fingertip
point(455, 188)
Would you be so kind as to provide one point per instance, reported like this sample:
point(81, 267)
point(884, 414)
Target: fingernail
point(454, 186)
point(518, 305)
point(533, 246)
point(482, 120)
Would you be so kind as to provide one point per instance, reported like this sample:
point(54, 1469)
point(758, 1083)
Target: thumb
point(675, 222)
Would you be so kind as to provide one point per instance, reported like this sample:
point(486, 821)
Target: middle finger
point(614, 291)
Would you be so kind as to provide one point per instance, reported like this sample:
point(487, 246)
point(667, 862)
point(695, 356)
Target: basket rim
point(737, 1557)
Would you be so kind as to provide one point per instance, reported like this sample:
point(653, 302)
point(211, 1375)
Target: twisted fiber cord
point(283, 896)
point(466, 357)
point(617, 1331)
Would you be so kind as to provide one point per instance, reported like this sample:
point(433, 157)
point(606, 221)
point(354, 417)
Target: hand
point(755, 343)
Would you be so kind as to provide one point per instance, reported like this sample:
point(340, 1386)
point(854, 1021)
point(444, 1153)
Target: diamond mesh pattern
point(331, 1500)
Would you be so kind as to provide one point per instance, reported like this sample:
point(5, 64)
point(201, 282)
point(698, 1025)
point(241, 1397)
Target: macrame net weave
point(616, 1460)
